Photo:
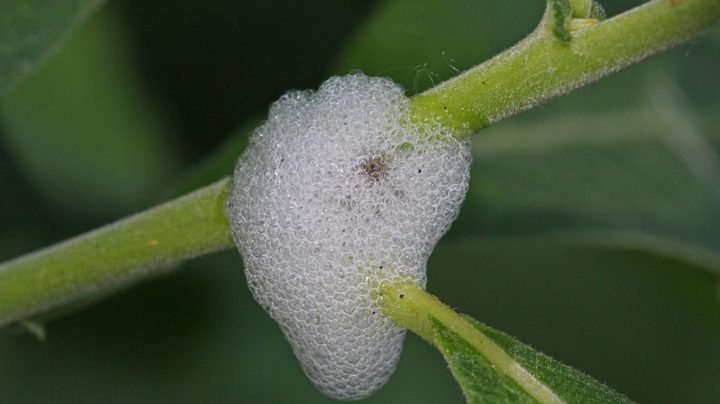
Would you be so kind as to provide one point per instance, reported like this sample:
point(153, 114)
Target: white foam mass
point(337, 192)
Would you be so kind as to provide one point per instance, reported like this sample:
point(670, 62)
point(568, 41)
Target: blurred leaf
point(420, 43)
point(649, 171)
point(611, 172)
point(490, 366)
point(218, 164)
point(31, 29)
point(85, 132)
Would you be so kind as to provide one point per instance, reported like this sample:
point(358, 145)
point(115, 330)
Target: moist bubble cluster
point(337, 192)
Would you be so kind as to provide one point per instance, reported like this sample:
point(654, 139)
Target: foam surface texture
point(337, 192)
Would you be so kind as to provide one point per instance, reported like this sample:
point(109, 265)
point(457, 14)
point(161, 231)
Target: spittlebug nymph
point(319, 230)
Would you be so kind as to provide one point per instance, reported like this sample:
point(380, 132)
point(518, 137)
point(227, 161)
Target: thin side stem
point(542, 67)
point(113, 256)
point(413, 308)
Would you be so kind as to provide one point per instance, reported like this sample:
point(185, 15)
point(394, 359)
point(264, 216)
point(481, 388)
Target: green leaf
point(83, 125)
point(218, 164)
point(475, 373)
point(31, 29)
point(649, 171)
point(455, 35)
point(629, 318)
point(490, 366)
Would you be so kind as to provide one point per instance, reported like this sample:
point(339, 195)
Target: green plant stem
point(415, 309)
point(536, 69)
point(541, 66)
point(115, 255)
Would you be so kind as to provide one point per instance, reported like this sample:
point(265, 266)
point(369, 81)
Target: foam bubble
point(337, 192)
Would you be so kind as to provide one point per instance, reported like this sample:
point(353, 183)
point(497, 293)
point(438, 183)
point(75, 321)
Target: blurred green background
point(591, 230)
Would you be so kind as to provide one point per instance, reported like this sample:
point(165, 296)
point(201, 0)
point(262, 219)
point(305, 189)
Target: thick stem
point(536, 69)
point(115, 255)
point(542, 67)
